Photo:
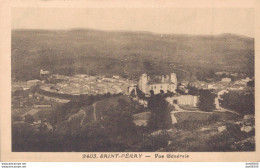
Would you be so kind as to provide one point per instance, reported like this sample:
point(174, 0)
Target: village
point(36, 100)
point(82, 84)
point(94, 85)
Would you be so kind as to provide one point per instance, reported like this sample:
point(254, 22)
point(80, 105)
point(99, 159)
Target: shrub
point(29, 118)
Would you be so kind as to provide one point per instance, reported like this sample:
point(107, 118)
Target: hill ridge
point(127, 54)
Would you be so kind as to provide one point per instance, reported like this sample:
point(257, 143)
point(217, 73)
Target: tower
point(173, 82)
point(143, 83)
point(163, 79)
point(173, 78)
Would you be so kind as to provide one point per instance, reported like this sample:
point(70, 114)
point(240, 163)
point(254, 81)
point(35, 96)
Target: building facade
point(226, 80)
point(188, 100)
point(157, 83)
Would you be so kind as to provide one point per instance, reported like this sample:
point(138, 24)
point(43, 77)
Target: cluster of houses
point(85, 84)
point(26, 98)
point(22, 95)
point(168, 83)
point(162, 84)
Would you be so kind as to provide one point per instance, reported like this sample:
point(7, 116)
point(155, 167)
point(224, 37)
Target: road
point(95, 116)
point(178, 110)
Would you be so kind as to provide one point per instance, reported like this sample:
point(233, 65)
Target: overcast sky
point(176, 21)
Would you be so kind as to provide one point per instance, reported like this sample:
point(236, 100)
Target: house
point(221, 92)
point(211, 86)
point(188, 100)
point(34, 82)
point(108, 79)
point(184, 83)
point(240, 83)
point(116, 77)
point(236, 87)
point(42, 105)
point(157, 83)
point(46, 126)
point(220, 73)
point(44, 73)
point(226, 79)
point(132, 89)
point(16, 88)
point(199, 84)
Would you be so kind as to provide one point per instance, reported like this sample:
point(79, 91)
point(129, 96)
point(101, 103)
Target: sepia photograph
point(132, 80)
point(129, 82)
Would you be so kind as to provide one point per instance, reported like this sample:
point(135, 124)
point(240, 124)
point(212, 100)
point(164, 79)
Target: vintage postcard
point(129, 81)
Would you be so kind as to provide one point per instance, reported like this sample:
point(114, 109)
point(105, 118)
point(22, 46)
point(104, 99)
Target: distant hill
point(127, 53)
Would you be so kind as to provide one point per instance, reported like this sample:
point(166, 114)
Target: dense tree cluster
point(193, 90)
point(28, 118)
point(251, 83)
point(206, 100)
point(241, 102)
point(160, 118)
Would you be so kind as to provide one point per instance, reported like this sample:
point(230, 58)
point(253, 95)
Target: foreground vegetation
point(114, 129)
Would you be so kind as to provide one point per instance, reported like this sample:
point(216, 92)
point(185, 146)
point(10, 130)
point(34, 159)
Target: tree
point(241, 102)
point(161, 92)
point(151, 93)
point(133, 93)
point(140, 94)
point(168, 94)
point(28, 118)
point(251, 83)
point(16, 118)
point(211, 73)
point(160, 118)
point(118, 124)
point(180, 91)
point(206, 100)
point(193, 90)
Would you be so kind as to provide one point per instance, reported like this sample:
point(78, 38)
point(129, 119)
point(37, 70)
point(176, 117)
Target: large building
point(158, 83)
point(187, 100)
point(44, 73)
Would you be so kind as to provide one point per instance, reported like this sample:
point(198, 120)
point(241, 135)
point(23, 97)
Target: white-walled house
point(157, 83)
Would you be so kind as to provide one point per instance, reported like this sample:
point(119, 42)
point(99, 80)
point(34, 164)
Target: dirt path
point(95, 116)
point(94, 113)
point(224, 110)
point(174, 120)
point(180, 110)
point(84, 115)
point(177, 108)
